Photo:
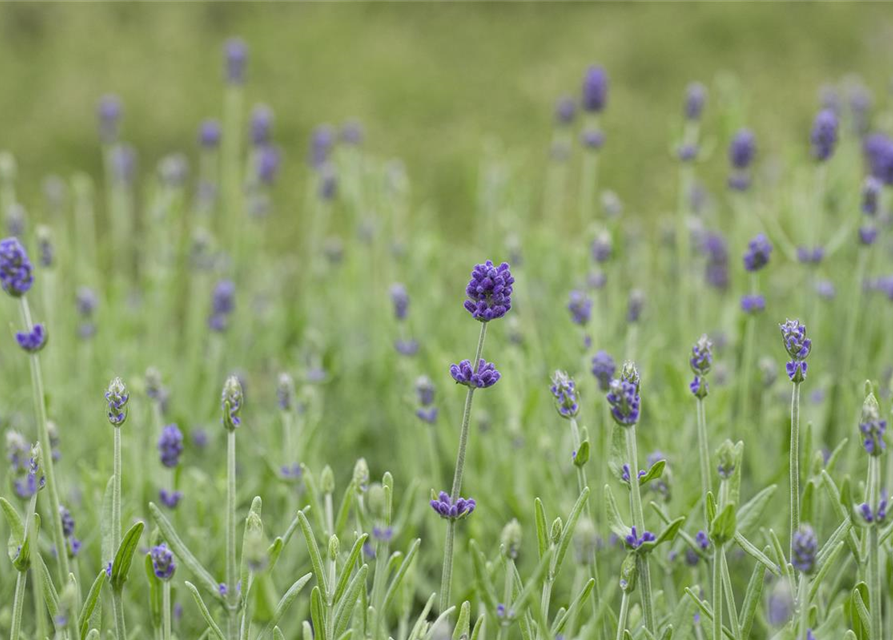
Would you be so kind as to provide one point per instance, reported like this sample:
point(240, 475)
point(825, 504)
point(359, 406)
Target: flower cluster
point(595, 89)
point(162, 562)
point(170, 446)
point(753, 303)
point(117, 398)
point(34, 340)
point(565, 393)
point(872, 427)
point(580, 306)
point(823, 137)
point(603, 368)
point(700, 363)
point(400, 298)
point(449, 510)
point(695, 97)
point(425, 390)
point(875, 516)
point(798, 347)
point(68, 524)
point(758, 251)
point(489, 291)
point(805, 544)
point(485, 376)
point(634, 542)
point(29, 478)
point(222, 305)
point(231, 402)
point(623, 396)
point(15, 268)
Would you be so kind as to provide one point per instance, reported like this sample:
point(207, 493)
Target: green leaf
point(751, 599)
point(444, 615)
point(463, 625)
point(16, 530)
point(50, 595)
point(284, 603)
point(315, 557)
point(835, 455)
point(562, 620)
point(90, 602)
point(521, 601)
point(401, 573)
point(155, 593)
point(344, 510)
point(567, 532)
point(204, 610)
point(751, 512)
point(807, 502)
point(861, 617)
point(582, 456)
point(345, 608)
point(93, 635)
point(347, 569)
point(615, 521)
point(542, 531)
point(667, 535)
point(824, 568)
point(654, 472)
point(422, 618)
point(760, 556)
point(124, 556)
point(277, 634)
point(183, 554)
point(711, 506)
point(485, 586)
point(722, 527)
point(479, 627)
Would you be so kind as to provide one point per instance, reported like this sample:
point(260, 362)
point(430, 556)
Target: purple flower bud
point(635, 304)
point(425, 391)
point(222, 305)
point(595, 89)
point(687, 152)
point(757, 255)
point(400, 299)
point(878, 150)
point(170, 499)
point(321, 144)
point(117, 398)
point(623, 396)
point(753, 303)
point(634, 542)
point(592, 139)
point(805, 546)
point(352, 133)
point(124, 164)
point(823, 137)
point(602, 247)
point(236, 54)
point(34, 340)
point(268, 162)
point(406, 347)
point(603, 368)
point(742, 149)
point(565, 393)
point(695, 97)
point(67, 521)
point(485, 376)
point(15, 268)
point(170, 446)
point(565, 109)
point(261, 124)
point(109, 114)
point(489, 291)
point(231, 402)
point(872, 427)
point(209, 134)
point(162, 562)
point(798, 347)
point(871, 195)
point(580, 306)
point(813, 256)
point(449, 510)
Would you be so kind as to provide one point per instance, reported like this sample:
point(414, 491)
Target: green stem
point(43, 435)
point(703, 453)
point(874, 561)
point(18, 604)
point(803, 606)
point(730, 596)
point(118, 606)
point(746, 358)
point(116, 493)
point(166, 608)
point(457, 480)
point(506, 596)
point(717, 592)
point(795, 462)
point(624, 614)
point(232, 595)
point(639, 522)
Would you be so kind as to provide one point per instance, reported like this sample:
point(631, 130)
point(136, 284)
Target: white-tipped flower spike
point(232, 403)
point(117, 398)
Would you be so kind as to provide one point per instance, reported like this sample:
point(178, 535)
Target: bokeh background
point(432, 83)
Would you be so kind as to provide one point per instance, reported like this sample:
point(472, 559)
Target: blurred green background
point(430, 82)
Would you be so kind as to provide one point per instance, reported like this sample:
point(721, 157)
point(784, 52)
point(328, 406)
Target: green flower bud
point(334, 544)
point(628, 573)
point(327, 480)
point(377, 501)
point(361, 474)
point(557, 528)
point(511, 539)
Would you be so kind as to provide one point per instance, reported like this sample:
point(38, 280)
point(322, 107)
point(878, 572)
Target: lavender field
point(508, 350)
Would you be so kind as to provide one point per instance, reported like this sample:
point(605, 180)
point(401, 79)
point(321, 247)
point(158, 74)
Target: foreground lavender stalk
point(873, 513)
point(700, 363)
point(798, 347)
point(117, 398)
point(232, 405)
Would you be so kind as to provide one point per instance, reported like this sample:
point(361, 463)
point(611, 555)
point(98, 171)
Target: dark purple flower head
point(222, 305)
point(592, 139)
point(602, 247)
point(209, 134)
point(565, 109)
point(699, 387)
point(449, 510)
point(321, 144)
point(425, 390)
point(485, 376)
point(634, 542)
point(117, 398)
point(867, 235)
point(872, 427)
point(261, 124)
point(231, 402)
point(805, 545)
point(595, 89)
point(67, 521)
point(753, 303)
point(162, 562)
point(695, 97)
point(878, 150)
point(236, 54)
point(875, 516)
point(797, 345)
point(400, 300)
point(635, 304)
point(603, 368)
point(268, 162)
point(109, 113)
point(871, 195)
point(427, 414)
point(170, 446)
point(623, 396)
point(170, 499)
point(758, 251)
point(742, 149)
point(565, 393)
point(15, 268)
point(34, 340)
point(702, 540)
point(489, 291)
point(701, 356)
point(580, 306)
point(352, 133)
point(823, 137)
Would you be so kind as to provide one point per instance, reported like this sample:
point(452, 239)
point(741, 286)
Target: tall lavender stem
point(639, 522)
point(445, 584)
point(874, 562)
point(795, 459)
point(232, 405)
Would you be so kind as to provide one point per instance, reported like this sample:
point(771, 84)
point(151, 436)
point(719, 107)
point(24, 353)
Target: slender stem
point(18, 603)
point(803, 606)
point(717, 592)
point(730, 596)
point(874, 562)
point(703, 453)
point(506, 596)
point(746, 358)
point(639, 522)
point(795, 461)
point(232, 595)
point(43, 435)
point(116, 494)
point(624, 614)
point(457, 480)
point(166, 608)
point(118, 606)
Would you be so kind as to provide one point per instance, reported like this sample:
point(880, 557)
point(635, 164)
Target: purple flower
point(753, 303)
point(695, 97)
point(687, 152)
point(489, 291)
point(123, 164)
point(170, 446)
point(634, 542)
point(427, 414)
point(592, 139)
point(328, 182)
point(635, 305)
point(236, 54)
point(814, 256)
point(825, 289)
point(425, 391)
point(878, 150)
point(875, 516)
point(871, 195)
point(758, 251)
point(400, 299)
point(485, 376)
point(109, 114)
point(162, 562)
point(714, 247)
point(798, 347)
point(701, 356)
point(352, 133)
point(805, 544)
point(15, 268)
point(565, 393)
point(602, 247)
point(742, 149)
point(565, 110)
point(117, 398)
point(222, 305)
point(268, 162)
point(623, 396)
point(603, 368)
point(34, 340)
point(231, 402)
point(261, 125)
point(823, 137)
point(209, 134)
point(595, 89)
point(321, 144)
point(67, 521)
point(449, 510)
point(580, 306)
point(170, 499)
point(872, 427)
point(45, 250)
point(291, 471)
point(406, 347)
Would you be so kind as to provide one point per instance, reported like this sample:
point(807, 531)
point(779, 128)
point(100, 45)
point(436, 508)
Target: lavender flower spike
point(758, 251)
point(798, 347)
point(565, 393)
point(236, 54)
point(695, 97)
point(603, 368)
point(700, 363)
point(117, 398)
point(595, 89)
point(823, 138)
point(170, 446)
point(485, 376)
point(162, 562)
point(804, 548)
point(580, 306)
point(400, 299)
point(872, 427)
point(232, 403)
point(34, 340)
point(489, 291)
point(15, 268)
point(623, 396)
point(449, 510)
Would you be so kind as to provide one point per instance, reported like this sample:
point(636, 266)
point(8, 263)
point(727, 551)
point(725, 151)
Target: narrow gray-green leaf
point(183, 554)
point(124, 556)
point(567, 532)
point(204, 611)
point(391, 593)
point(90, 602)
point(345, 608)
point(284, 603)
point(542, 532)
point(315, 557)
point(347, 570)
